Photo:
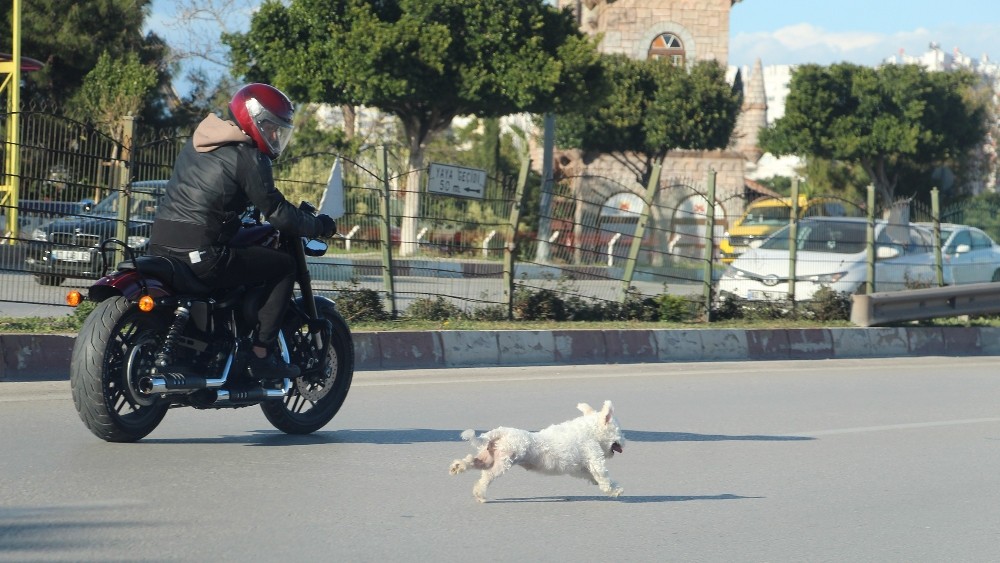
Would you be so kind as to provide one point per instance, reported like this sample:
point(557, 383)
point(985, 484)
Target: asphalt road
point(833, 460)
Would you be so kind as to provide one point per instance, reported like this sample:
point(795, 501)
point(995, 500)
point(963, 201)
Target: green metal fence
point(598, 239)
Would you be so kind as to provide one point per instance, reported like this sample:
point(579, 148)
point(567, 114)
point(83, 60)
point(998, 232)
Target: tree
point(113, 90)
point(887, 120)
point(652, 107)
point(424, 61)
point(69, 37)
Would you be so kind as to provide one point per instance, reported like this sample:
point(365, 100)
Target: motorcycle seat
point(174, 272)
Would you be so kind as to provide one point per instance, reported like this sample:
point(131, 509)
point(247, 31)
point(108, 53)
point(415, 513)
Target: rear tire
point(319, 393)
point(115, 347)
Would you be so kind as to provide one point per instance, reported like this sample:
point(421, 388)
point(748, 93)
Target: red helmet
point(265, 114)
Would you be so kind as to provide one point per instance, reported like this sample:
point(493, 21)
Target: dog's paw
point(616, 492)
point(456, 467)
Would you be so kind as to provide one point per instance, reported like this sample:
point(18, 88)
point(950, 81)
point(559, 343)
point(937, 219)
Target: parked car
point(832, 252)
point(969, 254)
point(765, 216)
point(68, 247)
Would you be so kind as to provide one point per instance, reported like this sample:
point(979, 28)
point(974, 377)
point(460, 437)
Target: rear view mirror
point(315, 247)
point(755, 243)
point(962, 248)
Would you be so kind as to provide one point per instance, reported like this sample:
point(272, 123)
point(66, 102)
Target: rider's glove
point(329, 226)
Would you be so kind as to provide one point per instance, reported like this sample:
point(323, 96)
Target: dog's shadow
point(650, 436)
point(638, 499)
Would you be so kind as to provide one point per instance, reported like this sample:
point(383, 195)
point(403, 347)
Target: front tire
point(320, 391)
point(115, 347)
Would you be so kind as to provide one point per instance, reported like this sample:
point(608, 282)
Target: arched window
point(667, 46)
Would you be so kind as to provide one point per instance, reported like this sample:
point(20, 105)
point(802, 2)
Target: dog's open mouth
point(616, 447)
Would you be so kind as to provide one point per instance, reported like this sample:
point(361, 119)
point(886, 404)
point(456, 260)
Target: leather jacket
point(216, 175)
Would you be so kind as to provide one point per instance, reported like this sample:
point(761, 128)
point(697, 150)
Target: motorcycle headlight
point(137, 241)
point(39, 234)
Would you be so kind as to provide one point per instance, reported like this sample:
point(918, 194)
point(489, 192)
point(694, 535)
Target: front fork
point(309, 301)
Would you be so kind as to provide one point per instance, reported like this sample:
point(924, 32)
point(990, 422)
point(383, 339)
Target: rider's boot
point(271, 367)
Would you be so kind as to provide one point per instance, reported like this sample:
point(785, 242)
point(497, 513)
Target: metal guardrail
point(916, 304)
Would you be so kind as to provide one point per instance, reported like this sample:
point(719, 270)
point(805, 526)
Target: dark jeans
point(257, 265)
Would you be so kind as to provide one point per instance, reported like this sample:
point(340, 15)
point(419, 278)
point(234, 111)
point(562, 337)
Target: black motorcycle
point(158, 338)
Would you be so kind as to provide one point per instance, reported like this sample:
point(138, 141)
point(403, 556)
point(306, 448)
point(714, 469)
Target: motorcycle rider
point(225, 166)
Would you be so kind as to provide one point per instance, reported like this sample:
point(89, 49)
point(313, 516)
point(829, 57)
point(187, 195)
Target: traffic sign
point(458, 181)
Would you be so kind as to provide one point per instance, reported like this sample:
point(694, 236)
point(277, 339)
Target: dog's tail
point(476, 441)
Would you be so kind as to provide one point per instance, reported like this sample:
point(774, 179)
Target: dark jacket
point(216, 175)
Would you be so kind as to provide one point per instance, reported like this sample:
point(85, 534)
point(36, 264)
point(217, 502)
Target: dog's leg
point(500, 466)
point(460, 465)
point(599, 472)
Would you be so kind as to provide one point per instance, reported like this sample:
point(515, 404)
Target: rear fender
point(128, 284)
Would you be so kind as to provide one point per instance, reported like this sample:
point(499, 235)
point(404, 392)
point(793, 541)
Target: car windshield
point(827, 236)
point(771, 216)
point(143, 206)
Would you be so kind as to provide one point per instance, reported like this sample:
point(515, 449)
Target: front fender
point(128, 284)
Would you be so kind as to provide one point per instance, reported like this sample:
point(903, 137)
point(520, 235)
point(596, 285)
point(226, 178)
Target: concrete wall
point(43, 357)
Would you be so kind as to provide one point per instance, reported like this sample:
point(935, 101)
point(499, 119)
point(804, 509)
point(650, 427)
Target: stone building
point(684, 31)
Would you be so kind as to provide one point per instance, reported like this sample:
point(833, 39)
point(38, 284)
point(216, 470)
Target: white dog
point(577, 447)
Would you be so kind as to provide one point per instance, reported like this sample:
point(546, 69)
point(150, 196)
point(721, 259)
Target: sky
point(859, 31)
point(783, 32)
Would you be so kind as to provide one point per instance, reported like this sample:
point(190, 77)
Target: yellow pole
point(13, 149)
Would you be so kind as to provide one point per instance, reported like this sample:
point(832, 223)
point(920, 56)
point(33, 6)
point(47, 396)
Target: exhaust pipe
point(252, 395)
point(179, 382)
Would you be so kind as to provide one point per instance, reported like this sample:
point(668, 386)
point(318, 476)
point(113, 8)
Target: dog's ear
point(607, 411)
point(585, 408)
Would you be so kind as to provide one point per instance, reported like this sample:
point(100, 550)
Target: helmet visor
point(274, 131)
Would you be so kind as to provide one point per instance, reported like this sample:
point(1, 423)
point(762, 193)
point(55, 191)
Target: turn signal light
point(146, 303)
point(74, 298)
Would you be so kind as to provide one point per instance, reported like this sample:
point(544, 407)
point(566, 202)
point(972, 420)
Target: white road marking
point(907, 426)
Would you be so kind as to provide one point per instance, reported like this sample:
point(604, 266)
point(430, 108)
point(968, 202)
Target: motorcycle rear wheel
point(117, 345)
point(314, 400)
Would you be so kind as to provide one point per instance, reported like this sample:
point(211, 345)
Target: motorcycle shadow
point(272, 438)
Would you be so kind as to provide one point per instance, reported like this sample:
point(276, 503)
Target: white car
point(832, 252)
point(969, 254)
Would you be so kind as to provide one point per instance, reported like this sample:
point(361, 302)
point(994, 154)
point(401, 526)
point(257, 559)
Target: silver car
point(970, 254)
point(832, 252)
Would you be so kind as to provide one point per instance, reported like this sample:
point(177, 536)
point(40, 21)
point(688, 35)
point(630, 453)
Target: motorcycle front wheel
point(115, 347)
point(320, 391)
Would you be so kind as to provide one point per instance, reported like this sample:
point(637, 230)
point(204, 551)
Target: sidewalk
point(38, 357)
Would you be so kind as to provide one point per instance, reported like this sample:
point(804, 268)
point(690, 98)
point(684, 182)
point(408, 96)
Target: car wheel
point(50, 280)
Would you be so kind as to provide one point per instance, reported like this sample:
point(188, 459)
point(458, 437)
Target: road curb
point(42, 357)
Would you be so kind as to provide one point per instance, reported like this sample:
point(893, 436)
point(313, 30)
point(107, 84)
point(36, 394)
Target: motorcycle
point(158, 339)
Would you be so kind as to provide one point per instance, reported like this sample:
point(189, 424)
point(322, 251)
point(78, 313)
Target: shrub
point(674, 308)
point(543, 304)
point(580, 309)
point(433, 309)
point(361, 304)
point(829, 305)
point(490, 313)
point(729, 308)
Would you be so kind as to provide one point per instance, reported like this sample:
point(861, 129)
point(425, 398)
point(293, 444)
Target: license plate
point(71, 255)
